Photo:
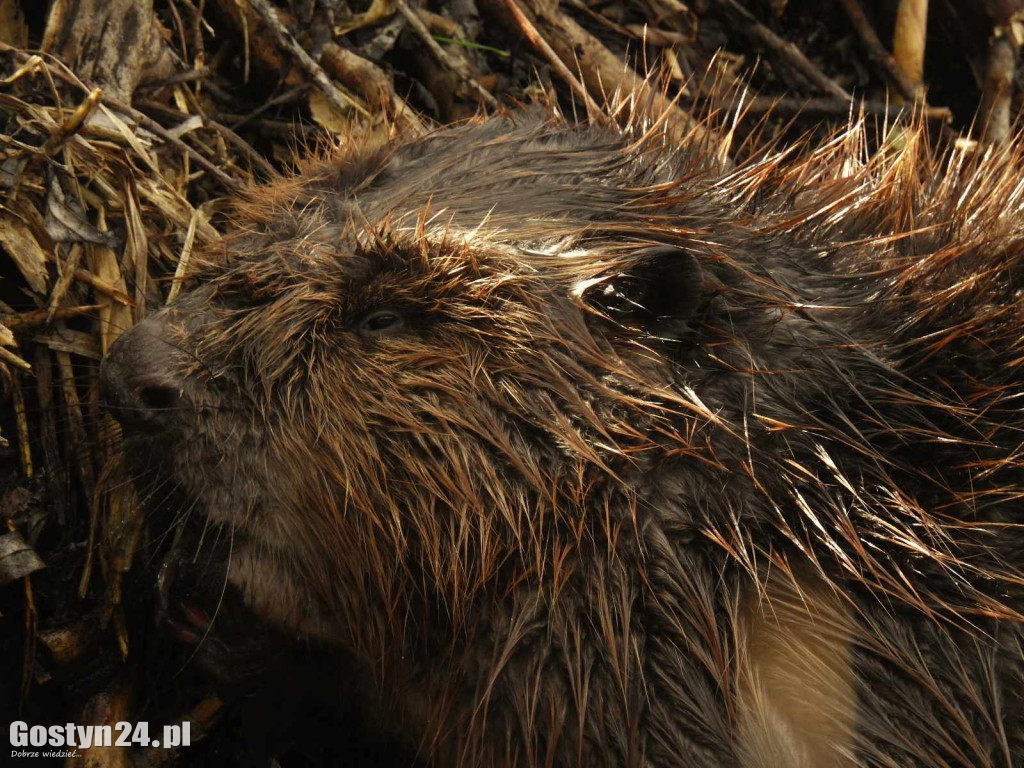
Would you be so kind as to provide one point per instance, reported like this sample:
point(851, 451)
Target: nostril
point(156, 397)
point(140, 380)
point(138, 402)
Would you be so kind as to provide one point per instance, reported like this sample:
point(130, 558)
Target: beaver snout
point(138, 383)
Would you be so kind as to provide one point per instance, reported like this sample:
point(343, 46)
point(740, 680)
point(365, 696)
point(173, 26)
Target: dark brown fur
point(670, 464)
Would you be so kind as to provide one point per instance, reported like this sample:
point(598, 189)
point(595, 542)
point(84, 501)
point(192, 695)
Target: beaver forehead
point(401, 263)
point(509, 198)
point(432, 259)
point(527, 176)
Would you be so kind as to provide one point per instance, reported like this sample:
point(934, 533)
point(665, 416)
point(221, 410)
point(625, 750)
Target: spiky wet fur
point(778, 529)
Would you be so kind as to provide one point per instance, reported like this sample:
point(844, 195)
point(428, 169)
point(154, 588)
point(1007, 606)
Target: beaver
point(594, 450)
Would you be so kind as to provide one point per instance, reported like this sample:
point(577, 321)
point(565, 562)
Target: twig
point(148, 123)
point(173, 114)
point(268, 126)
point(537, 41)
point(73, 124)
point(24, 442)
point(184, 258)
point(909, 37)
point(67, 270)
point(154, 127)
point(9, 357)
point(441, 55)
point(997, 91)
point(370, 82)
point(828, 107)
point(603, 72)
point(38, 317)
point(284, 98)
point(877, 54)
point(601, 19)
point(337, 98)
point(786, 50)
point(189, 76)
point(254, 157)
point(104, 287)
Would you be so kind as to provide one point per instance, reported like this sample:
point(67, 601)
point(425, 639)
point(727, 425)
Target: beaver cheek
point(276, 593)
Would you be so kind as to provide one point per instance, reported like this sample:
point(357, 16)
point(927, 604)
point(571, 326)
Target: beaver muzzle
point(138, 383)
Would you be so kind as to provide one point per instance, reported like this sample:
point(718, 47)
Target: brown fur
point(769, 517)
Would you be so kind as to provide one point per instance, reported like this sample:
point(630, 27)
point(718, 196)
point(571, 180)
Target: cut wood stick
point(909, 38)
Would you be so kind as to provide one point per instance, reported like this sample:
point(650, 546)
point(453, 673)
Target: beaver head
point(599, 453)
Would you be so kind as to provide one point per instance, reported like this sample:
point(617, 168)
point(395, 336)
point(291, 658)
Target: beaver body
point(596, 452)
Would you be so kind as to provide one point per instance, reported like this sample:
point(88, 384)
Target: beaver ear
point(664, 285)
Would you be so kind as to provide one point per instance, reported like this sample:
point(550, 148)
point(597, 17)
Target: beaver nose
point(138, 385)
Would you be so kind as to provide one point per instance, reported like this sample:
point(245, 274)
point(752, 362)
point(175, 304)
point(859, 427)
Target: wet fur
point(770, 519)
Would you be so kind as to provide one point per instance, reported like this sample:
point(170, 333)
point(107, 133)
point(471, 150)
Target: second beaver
point(596, 453)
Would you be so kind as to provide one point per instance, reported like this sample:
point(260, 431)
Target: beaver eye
point(380, 321)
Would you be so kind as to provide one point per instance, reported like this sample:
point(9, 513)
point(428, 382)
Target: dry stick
point(37, 317)
point(7, 356)
point(909, 37)
point(154, 127)
point(277, 126)
point(370, 82)
point(877, 54)
point(101, 285)
point(67, 274)
point(268, 170)
point(79, 445)
point(255, 157)
point(287, 129)
point(530, 33)
point(603, 72)
point(184, 258)
point(181, 30)
point(21, 417)
point(827, 107)
point(31, 635)
point(441, 55)
point(72, 124)
point(179, 77)
point(151, 125)
point(282, 98)
point(603, 20)
point(337, 98)
point(104, 287)
point(792, 55)
point(997, 90)
point(643, 33)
